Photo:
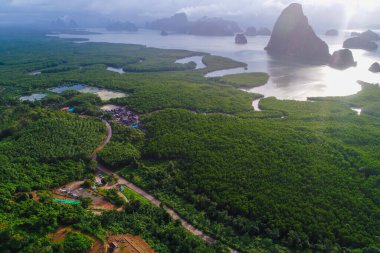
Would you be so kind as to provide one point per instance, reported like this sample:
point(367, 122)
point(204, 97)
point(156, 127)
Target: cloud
point(140, 10)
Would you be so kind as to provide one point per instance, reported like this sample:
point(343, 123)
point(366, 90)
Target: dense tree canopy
point(297, 176)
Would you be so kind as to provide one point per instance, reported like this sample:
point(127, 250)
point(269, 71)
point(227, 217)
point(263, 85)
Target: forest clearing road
point(149, 197)
point(158, 203)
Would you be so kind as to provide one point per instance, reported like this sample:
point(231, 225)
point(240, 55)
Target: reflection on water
point(117, 70)
point(300, 82)
point(102, 93)
point(61, 89)
point(255, 105)
point(287, 81)
point(198, 60)
point(33, 97)
point(357, 110)
point(35, 73)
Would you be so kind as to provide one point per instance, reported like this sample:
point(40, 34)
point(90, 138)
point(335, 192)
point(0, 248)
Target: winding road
point(148, 196)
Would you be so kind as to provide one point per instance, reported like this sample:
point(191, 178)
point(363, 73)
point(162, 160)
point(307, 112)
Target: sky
point(321, 13)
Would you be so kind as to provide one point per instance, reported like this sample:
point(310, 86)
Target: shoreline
point(285, 80)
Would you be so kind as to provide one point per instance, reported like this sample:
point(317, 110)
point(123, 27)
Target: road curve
point(148, 196)
point(105, 141)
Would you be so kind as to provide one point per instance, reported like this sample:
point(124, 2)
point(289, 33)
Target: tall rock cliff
point(293, 39)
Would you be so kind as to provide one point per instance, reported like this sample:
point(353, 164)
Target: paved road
point(150, 197)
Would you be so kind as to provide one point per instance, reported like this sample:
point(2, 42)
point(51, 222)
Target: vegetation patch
point(236, 171)
point(246, 80)
point(367, 99)
point(133, 196)
point(74, 242)
point(116, 154)
point(215, 63)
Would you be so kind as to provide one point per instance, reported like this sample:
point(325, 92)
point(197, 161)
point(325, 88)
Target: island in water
point(293, 39)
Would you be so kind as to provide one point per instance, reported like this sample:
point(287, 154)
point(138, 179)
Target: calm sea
point(288, 81)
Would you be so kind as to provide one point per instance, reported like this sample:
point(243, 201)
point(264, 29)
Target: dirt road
point(150, 197)
point(157, 202)
point(106, 140)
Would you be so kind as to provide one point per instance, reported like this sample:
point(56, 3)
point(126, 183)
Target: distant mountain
point(122, 26)
point(367, 35)
point(206, 26)
point(214, 27)
point(360, 43)
point(293, 39)
point(251, 31)
point(363, 41)
point(263, 32)
point(370, 35)
point(332, 32)
point(354, 34)
point(177, 23)
point(64, 23)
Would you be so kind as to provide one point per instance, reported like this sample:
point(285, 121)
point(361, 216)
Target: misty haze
point(189, 126)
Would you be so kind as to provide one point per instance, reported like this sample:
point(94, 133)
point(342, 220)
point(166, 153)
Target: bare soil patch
point(128, 244)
